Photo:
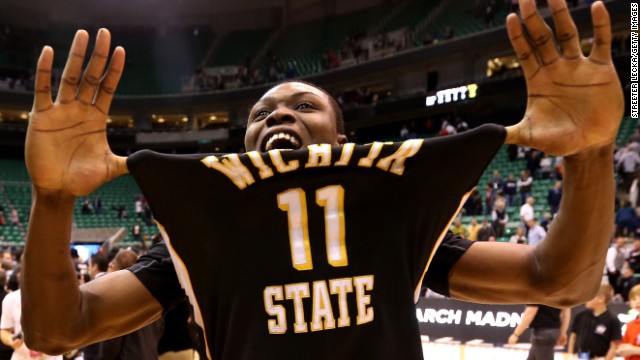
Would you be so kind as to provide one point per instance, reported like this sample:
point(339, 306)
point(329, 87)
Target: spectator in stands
point(496, 182)
point(499, 216)
point(626, 220)
point(536, 232)
point(472, 229)
point(3, 220)
point(533, 162)
point(548, 328)
point(87, 206)
point(626, 282)
point(98, 265)
point(595, 332)
point(634, 256)
point(458, 229)
point(136, 232)
point(630, 345)
point(546, 167)
point(545, 222)
point(627, 166)
point(14, 217)
point(525, 183)
point(485, 231)
point(518, 237)
point(5, 350)
point(554, 196)
point(11, 328)
point(141, 344)
point(526, 212)
point(97, 205)
point(489, 194)
point(509, 189)
point(616, 256)
point(473, 206)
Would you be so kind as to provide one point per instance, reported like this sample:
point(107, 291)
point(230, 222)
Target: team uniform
point(315, 253)
point(632, 336)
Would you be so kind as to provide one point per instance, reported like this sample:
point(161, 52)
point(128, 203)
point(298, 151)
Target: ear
point(342, 139)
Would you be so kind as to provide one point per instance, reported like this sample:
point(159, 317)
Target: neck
point(599, 310)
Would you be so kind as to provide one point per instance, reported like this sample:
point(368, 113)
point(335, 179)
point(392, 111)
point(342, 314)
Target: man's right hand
point(67, 153)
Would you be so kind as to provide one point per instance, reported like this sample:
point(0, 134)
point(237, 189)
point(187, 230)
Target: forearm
point(611, 354)
point(51, 300)
point(570, 260)
point(572, 343)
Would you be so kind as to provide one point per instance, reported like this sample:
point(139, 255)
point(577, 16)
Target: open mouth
point(281, 141)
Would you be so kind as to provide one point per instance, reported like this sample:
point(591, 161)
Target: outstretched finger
point(539, 31)
point(601, 50)
point(95, 68)
point(524, 50)
point(42, 98)
point(73, 68)
point(110, 81)
point(566, 31)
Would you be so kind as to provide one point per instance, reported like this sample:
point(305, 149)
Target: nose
point(279, 116)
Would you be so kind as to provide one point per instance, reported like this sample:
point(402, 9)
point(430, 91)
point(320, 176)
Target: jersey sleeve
point(450, 251)
point(156, 272)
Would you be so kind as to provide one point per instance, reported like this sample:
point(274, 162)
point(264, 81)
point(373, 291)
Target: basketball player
point(574, 108)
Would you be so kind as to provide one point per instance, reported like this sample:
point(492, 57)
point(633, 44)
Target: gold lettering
point(342, 287)
point(363, 283)
point(276, 159)
point(232, 167)
point(258, 162)
point(296, 292)
point(376, 147)
point(279, 324)
point(319, 155)
point(347, 151)
point(321, 308)
point(408, 149)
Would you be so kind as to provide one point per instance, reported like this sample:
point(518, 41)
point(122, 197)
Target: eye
point(260, 114)
point(304, 105)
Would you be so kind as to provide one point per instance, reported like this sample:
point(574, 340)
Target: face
point(290, 116)
point(634, 303)
point(592, 304)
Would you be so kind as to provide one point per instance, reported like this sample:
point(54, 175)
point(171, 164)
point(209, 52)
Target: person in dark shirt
point(548, 328)
point(67, 155)
point(595, 332)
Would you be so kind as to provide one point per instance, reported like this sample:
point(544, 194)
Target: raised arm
point(574, 108)
point(67, 155)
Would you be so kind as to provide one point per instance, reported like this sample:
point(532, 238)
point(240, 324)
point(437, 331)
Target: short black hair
point(337, 111)
point(101, 261)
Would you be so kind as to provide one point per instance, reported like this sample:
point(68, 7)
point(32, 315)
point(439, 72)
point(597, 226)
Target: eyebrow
point(270, 99)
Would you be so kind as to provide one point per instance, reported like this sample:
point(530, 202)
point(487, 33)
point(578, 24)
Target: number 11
point(294, 202)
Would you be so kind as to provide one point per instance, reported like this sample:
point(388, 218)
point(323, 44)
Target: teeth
point(283, 136)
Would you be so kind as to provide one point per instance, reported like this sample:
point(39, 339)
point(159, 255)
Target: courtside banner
point(463, 321)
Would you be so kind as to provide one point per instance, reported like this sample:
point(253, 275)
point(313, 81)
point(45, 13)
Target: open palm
point(574, 102)
point(67, 148)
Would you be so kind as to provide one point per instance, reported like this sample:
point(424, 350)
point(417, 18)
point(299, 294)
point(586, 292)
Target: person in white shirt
point(616, 256)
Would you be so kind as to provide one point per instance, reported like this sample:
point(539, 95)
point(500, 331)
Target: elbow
point(562, 294)
point(46, 342)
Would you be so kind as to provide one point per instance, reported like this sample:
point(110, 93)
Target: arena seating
point(228, 52)
point(15, 190)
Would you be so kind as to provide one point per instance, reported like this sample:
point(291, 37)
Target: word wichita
point(320, 155)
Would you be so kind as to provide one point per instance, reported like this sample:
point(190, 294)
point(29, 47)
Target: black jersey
point(316, 253)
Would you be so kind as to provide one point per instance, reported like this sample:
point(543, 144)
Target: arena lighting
point(160, 119)
point(109, 120)
point(24, 116)
point(185, 119)
point(453, 95)
point(213, 118)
